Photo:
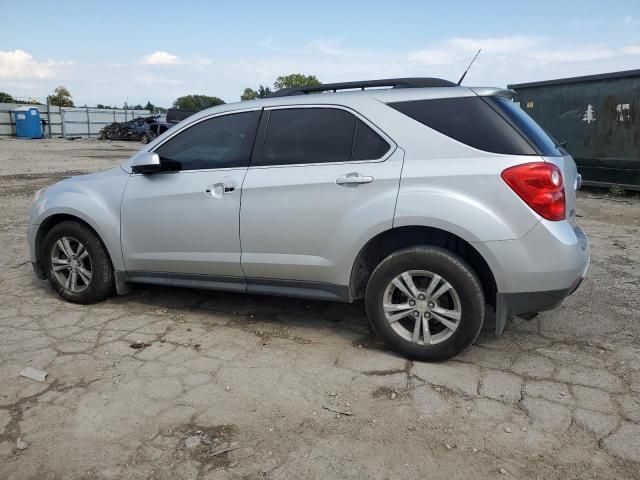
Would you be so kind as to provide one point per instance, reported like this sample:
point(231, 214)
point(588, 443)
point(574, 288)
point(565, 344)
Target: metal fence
point(68, 121)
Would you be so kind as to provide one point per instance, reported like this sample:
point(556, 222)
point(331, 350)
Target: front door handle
point(353, 179)
point(217, 190)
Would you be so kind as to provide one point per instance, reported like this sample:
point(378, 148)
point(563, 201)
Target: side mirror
point(146, 162)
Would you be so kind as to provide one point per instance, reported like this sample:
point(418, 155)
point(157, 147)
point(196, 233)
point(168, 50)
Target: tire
point(146, 138)
point(62, 257)
point(462, 297)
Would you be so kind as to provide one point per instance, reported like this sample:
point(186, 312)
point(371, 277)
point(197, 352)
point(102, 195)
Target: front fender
point(95, 199)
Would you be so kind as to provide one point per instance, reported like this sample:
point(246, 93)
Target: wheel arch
point(51, 221)
point(394, 239)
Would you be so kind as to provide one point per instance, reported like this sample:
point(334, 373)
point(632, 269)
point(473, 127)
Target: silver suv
point(437, 204)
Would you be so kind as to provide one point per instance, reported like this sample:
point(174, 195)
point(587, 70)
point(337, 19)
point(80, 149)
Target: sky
point(114, 51)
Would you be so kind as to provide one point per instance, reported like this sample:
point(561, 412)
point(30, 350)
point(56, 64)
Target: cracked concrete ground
point(554, 397)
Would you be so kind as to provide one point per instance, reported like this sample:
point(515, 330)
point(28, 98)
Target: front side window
point(219, 142)
point(319, 135)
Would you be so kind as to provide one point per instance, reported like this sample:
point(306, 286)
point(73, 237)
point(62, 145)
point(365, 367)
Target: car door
point(324, 181)
point(185, 219)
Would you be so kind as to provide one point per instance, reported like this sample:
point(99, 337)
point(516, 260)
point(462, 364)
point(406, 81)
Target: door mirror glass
point(146, 162)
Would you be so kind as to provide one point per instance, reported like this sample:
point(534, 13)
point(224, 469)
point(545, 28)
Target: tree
point(150, 106)
point(6, 98)
point(295, 80)
point(251, 94)
point(195, 103)
point(60, 98)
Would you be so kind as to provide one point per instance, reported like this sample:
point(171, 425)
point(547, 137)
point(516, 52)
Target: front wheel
point(426, 303)
point(77, 263)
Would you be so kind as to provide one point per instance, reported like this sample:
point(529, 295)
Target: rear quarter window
point(470, 120)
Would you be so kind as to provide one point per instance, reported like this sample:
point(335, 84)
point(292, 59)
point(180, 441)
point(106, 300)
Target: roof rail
point(418, 82)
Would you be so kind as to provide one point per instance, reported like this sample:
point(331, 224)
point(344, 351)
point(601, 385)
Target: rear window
point(472, 121)
point(527, 125)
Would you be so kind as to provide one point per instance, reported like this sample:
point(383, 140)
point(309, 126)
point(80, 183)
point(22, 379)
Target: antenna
point(465, 72)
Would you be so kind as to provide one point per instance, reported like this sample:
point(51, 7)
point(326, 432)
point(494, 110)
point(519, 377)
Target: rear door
point(322, 181)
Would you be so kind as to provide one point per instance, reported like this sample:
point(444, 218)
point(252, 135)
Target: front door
point(185, 219)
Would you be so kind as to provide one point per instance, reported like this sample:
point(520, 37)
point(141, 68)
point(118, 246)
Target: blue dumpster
point(28, 122)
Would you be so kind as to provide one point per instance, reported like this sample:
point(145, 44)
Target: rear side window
point(220, 142)
point(469, 120)
point(368, 145)
point(319, 135)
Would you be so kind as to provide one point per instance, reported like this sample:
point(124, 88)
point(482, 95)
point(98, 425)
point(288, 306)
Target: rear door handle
point(352, 179)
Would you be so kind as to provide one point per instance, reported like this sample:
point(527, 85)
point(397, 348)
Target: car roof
point(353, 97)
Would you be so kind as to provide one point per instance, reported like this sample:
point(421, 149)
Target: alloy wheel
point(422, 307)
point(71, 264)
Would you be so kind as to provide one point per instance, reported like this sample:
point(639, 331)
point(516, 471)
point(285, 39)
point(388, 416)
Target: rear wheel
point(426, 303)
point(77, 263)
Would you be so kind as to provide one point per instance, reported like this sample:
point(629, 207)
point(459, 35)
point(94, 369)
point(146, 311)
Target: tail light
point(540, 185)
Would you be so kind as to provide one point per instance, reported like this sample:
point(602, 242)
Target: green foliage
point(295, 80)
point(251, 94)
point(616, 191)
point(196, 103)
point(60, 98)
point(6, 98)
point(149, 106)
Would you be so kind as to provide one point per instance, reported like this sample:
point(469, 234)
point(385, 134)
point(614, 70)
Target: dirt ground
point(229, 386)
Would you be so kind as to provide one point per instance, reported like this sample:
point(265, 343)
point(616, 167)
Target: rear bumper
point(537, 272)
point(552, 256)
point(526, 302)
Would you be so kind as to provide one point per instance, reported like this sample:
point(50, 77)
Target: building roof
point(585, 78)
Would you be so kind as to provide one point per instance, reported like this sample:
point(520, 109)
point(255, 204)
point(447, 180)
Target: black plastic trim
point(263, 286)
point(510, 304)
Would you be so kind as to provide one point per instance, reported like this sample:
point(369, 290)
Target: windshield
point(527, 126)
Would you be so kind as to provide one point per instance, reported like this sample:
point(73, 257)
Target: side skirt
point(260, 286)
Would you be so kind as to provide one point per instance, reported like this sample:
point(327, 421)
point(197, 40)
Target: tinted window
point(220, 142)
point(469, 120)
point(308, 135)
point(368, 145)
point(534, 132)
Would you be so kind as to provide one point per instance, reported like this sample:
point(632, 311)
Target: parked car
point(158, 127)
point(434, 203)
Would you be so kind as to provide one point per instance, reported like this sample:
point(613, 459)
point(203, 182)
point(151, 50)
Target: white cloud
point(462, 49)
point(631, 50)
point(18, 64)
point(160, 58)
point(498, 45)
point(583, 54)
point(431, 56)
point(146, 79)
